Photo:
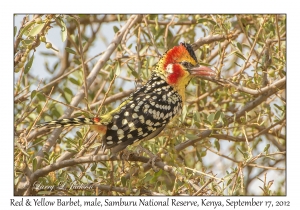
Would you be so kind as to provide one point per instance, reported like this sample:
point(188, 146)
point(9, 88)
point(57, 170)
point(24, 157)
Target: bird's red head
point(179, 65)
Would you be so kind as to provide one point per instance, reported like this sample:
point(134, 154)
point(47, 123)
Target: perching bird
point(146, 112)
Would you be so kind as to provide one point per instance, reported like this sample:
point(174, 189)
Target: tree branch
point(250, 105)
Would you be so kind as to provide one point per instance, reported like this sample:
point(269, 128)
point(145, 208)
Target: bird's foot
point(152, 158)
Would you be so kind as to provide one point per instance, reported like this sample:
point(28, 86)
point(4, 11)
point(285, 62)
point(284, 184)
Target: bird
point(147, 111)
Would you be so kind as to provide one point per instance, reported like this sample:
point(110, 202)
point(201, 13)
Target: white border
point(153, 6)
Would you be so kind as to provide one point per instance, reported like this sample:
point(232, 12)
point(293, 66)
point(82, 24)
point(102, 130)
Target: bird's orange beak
point(202, 71)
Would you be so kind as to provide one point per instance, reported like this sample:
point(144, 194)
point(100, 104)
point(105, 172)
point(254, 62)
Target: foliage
point(229, 140)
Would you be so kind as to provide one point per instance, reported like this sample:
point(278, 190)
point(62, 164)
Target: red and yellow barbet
point(146, 112)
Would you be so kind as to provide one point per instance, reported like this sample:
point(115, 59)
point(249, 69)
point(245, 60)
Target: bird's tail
point(69, 122)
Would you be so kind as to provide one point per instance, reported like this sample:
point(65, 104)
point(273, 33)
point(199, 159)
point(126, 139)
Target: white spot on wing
point(114, 127)
point(142, 119)
point(120, 131)
point(157, 124)
point(131, 125)
point(124, 122)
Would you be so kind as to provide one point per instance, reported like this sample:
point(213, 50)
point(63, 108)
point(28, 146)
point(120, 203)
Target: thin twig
point(278, 35)
point(199, 191)
point(166, 32)
point(38, 117)
point(251, 49)
point(151, 36)
point(106, 93)
point(81, 57)
point(200, 172)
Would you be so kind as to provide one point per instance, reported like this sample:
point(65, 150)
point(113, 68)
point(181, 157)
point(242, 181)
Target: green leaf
point(15, 30)
point(204, 64)
point(33, 93)
point(279, 107)
point(64, 31)
point(111, 74)
point(203, 153)
point(197, 124)
point(133, 72)
point(138, 192)
point(191, 136)
point(118, 70)
point(217, 145)
point(196, 117)
point(198, 155)
point(81, 167)
point(34, 164)
point(95, 145)
point(69, 50)
point(204, 20)
point(27, 42)
point(239, 55)
point(211, 117)
point(37, 29)
point(68, 90)
point(147, 177)
point(222, 116)
point(233, 52)
point(143, 50)
point(184, 112)
point(74, 81)
point(279, 60)
point(243, 153)
point(207, 122)
point(88, 177)
point(240, 47)
point(28, 64)
point(266, 147)
point(217, 115)
point(55, 66)
point(73, 37)
point(77, 61)
point(93, 168)
point(72, 150)
point(83, 44)
point(41, 97)
point(25, 28)
point(38, 108)
point(56, 113)
point(237, 64)
point(229, 181)
point(116, 29)
point(123, 181)
point(78, 134)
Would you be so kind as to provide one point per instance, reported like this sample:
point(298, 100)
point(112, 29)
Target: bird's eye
point(186, 64)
